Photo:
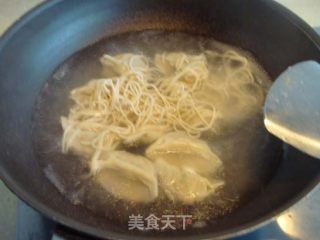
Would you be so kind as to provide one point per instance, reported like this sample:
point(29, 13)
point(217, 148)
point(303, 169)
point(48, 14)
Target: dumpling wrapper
point(146, 134)
point(181, 150)
point(123, 63)
point(128, 176)
point(184, 185)
point(78, 141)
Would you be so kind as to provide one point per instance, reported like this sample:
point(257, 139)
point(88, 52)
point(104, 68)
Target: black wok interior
point(41, 41)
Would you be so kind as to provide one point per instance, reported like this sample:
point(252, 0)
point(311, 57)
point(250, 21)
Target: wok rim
point(70, 222)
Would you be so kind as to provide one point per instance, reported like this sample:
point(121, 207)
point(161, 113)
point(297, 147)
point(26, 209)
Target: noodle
point(140, 99)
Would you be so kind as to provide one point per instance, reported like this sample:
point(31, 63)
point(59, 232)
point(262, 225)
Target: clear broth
point(246, 149)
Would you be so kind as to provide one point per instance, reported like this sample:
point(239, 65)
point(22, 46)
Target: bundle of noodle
point(140, 103)
point(168, 101)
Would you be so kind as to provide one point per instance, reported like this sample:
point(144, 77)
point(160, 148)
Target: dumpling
point(76, 140)
point(179, 149)
point(79, 140)
point(183, 184)
point(188, 70)
point(146, 134)
point(124, 63)
point(127, 176)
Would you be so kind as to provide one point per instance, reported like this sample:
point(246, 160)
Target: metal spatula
point(292, 107)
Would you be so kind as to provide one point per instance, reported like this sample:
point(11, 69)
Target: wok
point(34, 47)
